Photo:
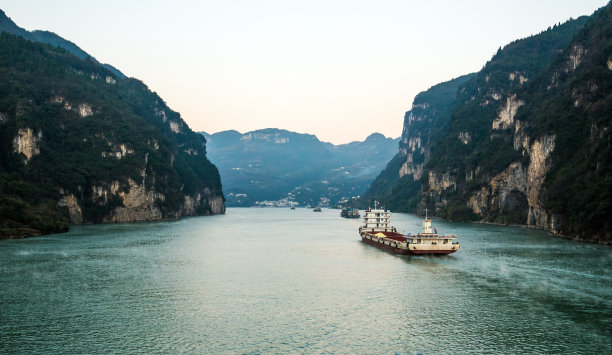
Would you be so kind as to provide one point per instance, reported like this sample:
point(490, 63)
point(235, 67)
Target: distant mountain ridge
point(279, 165)
point(7, 25)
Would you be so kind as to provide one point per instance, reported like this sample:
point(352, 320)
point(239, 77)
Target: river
point(292, 281)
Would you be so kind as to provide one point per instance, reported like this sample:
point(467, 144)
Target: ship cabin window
point(445, 241)
point(419, 241)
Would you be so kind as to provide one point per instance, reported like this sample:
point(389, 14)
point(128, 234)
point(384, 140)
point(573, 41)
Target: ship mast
point(426, 225)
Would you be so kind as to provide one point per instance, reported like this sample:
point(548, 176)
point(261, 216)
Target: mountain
point(284, 167)
point(398, 185)
point(78, 144)
point(568, 111)
point(525, 141)
point(7, 25)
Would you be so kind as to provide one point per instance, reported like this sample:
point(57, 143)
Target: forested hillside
point(79, 144)
point(527, 141)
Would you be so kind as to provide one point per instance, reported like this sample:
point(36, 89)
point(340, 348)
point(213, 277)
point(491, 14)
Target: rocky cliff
point(567, 118)
point(80, 144)
point(399, 184)
point(524, 135)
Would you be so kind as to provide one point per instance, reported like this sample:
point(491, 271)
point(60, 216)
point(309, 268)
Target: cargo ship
point(378, 232)
point(349, 212)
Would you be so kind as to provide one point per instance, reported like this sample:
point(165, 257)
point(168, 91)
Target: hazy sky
point(337, 69)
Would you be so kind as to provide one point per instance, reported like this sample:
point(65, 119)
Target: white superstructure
point(376, 220)
point(429, 242)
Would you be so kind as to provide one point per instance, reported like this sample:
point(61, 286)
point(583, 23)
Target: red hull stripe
point(433, 252)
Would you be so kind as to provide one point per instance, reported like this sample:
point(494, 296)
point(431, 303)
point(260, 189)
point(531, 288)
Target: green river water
point(282, 281)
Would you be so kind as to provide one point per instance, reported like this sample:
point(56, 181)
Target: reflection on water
point(275, 280)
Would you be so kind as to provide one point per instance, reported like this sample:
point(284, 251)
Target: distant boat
point(377, 232)
point(317, 209)
point(349, 212)
point(292, 207)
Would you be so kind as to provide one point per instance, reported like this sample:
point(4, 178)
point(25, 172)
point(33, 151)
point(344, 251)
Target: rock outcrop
point(139, 204)
point(505, 117)
point(518, 188)
point(74, 209)
point(423, 126)
point(26, 142)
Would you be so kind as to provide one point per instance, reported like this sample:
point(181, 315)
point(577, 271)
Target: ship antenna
point(425, 213)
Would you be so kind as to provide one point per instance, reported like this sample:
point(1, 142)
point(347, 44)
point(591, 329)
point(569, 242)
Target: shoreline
point(32, 233)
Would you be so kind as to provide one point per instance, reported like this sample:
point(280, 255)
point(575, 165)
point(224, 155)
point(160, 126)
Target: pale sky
point(337, 69)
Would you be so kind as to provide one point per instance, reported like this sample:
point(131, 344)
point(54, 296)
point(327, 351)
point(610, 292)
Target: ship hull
point(410, 250)
point(432, 252)
point(385, 247)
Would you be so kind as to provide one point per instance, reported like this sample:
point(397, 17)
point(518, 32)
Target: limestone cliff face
point(429, 114)
point(411, 145)
point(74, 209)
point(203, 200)
point(26, 142)
point(518, 188)
point(505, 118)
point(275, 137)
point(216, 204)
point(439, 183)
point(500, 195)
point(539, 164)
point(437, 186)
point(138, 203)
point(423, 126)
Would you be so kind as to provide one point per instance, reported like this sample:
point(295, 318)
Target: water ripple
point(273, 281)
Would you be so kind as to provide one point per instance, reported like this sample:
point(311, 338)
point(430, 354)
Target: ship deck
point(432, 236)
point(391, 235)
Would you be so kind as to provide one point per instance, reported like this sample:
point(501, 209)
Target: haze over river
point(280, 280)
